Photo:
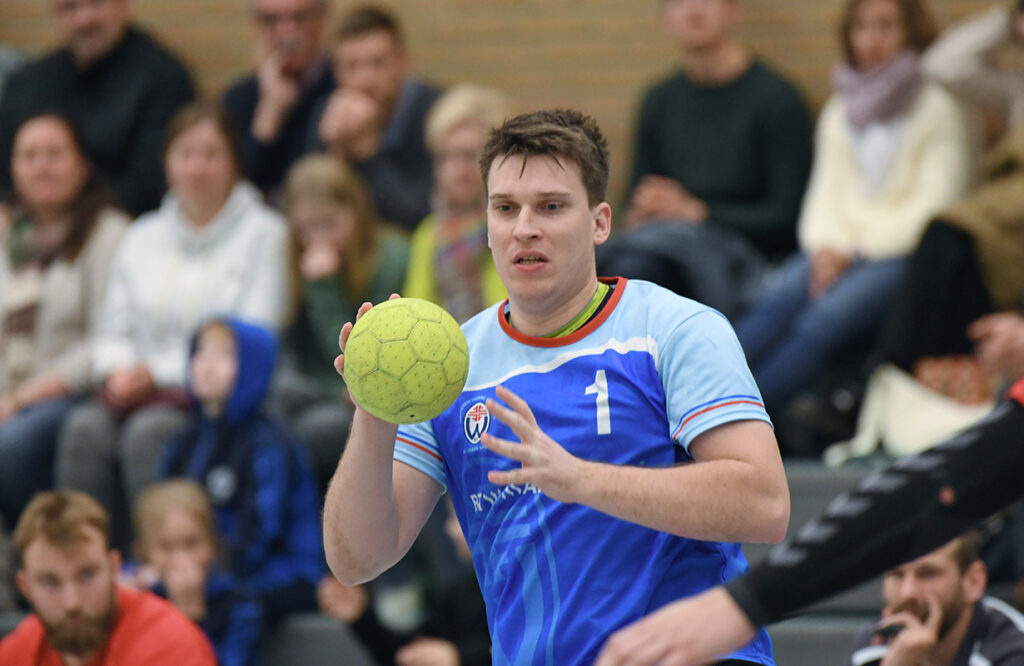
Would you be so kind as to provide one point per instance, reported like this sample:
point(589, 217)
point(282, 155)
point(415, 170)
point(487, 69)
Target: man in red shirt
point(81, 616)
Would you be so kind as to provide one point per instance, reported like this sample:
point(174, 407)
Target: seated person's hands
point(827, 266)
point(345, 603)
point(999, 343)
point(127, 387)
point(185, 582)
point(352, 125)
point(661, 198)
point(428, 652)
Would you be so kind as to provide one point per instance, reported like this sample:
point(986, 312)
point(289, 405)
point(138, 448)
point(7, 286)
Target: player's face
point(179, 540)
point(47, 169)
point(877, 33)
point(935, 575)
point(697, 25)
point(542, 231)
point(90, 28)
point(72, 591)
point(373, 64)
point(214, 366)
point(291, 30)
point(455, 167)
point(200, 168)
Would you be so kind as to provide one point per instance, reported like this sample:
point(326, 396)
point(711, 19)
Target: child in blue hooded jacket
point(258, 478)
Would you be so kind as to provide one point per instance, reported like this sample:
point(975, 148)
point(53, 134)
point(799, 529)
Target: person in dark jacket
point(115, 83)
point(256, 473)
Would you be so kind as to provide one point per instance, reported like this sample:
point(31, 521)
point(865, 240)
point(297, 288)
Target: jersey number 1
point(604, 414)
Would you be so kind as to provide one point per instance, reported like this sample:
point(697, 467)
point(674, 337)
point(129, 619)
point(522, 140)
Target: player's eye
point(553, 206)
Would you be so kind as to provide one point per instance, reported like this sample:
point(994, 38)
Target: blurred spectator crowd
point(174, 271)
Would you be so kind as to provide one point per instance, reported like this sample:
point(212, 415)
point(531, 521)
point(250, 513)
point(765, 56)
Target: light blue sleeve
point(705, 376)
point(416, 446)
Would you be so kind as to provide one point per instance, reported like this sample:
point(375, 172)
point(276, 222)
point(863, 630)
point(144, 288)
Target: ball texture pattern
point(406, 360)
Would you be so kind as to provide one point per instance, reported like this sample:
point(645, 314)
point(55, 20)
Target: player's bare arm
point(734, 491)
point(375, 507)
point(684, 633)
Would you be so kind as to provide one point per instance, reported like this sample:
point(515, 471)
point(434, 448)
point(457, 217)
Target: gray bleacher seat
point(9, 620)
point(313, 640)
point(811, 487)
point(817, 640)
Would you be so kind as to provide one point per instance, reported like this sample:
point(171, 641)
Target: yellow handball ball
point(406, 360)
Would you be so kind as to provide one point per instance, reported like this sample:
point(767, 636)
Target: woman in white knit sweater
point(212, 248)
point(891, 150)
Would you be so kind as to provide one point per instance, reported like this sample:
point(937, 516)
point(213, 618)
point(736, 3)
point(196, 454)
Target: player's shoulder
point(166, 629)
point(1003, 631)
point(27, 638)
point(662, 310)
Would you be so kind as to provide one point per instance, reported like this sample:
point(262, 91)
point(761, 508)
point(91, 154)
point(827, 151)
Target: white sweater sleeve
point(267, 298)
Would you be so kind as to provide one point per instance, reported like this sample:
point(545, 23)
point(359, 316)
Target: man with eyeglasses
point(274, 106)
point(117, 86)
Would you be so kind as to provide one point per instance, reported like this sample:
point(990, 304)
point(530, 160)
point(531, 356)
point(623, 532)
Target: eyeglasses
point(71, 6)
point(271, 19)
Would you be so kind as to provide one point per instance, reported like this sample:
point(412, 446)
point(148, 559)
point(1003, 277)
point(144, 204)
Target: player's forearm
point(718, 500)
point(361, 521)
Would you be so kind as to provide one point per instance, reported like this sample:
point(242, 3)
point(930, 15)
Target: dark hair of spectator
point(87, 205)
point(196, 113)
point(559, 134)
point(967, 549)
point(918, 22)
point(366, 19)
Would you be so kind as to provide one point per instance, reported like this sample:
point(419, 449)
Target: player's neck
point(540, 324)
point(717, 66)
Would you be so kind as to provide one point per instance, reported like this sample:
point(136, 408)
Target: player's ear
point(975, 581)
point(602, 222)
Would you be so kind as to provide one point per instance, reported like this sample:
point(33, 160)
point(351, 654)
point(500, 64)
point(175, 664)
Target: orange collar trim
point(619, 284)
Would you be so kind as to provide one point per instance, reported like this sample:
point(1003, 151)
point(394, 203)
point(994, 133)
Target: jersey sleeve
point(705, 377)
point(416, 446)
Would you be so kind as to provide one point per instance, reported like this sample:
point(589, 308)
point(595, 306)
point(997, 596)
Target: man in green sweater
point(722, 154)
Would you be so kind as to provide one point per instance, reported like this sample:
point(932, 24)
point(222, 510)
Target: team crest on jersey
point(475, 420)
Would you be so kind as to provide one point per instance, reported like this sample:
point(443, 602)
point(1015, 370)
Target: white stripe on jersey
point(643, 344)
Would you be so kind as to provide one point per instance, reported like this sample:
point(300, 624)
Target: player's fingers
point(393, 296)
point(934, 618)
point(507, 477)
point(518, 405)
point(339, 364)
point(517, 422)
point(346, 330)
point(503, 447)
point(363, 309)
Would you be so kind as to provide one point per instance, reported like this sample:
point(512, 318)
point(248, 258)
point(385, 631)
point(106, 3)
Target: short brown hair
point(369, 18)
point(967, 549)
point(918, 23)
point(59, 517)
point(560, 134)
point(159, 499)
point(195, 113)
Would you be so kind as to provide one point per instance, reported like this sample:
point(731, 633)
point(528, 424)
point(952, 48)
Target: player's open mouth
point(529, 260)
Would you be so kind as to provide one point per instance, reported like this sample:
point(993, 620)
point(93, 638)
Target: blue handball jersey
point(634, 386)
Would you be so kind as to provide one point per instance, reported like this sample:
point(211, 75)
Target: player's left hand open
point(545, 463)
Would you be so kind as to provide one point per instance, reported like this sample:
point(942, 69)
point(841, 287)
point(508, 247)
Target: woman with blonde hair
point(450, 263)
point(346, 255)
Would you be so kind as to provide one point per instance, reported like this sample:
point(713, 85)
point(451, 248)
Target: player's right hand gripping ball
point(406, 360)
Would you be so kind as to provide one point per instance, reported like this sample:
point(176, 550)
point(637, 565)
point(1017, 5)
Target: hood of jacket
point(256, 350)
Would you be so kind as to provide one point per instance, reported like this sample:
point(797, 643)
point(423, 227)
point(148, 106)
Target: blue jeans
point(789, 338)
point(27, 443)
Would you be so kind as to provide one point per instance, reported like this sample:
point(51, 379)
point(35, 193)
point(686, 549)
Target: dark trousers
point(942, 294)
